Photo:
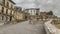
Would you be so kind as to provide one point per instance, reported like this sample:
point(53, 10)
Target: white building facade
point(33, 11)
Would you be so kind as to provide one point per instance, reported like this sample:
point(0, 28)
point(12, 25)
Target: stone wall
point(51, 29)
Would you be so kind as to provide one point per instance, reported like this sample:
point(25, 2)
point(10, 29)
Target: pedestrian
point(30, 20)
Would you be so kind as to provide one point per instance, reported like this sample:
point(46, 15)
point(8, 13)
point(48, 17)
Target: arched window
point(6, 11)
point(2, 9)
point(7, 4)
point(3, 2)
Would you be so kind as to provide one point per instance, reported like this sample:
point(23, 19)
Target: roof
point(18, 8)
point(12, 1)
point(33, 9)
point(43, 12)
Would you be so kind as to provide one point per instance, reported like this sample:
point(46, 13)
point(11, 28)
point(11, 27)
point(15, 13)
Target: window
point(11, 6)
point(10, 18)
point(2, 9)
point(11, 13)
point(3, 2)
point(6, 11)
point(7, 4)
point(2, 17)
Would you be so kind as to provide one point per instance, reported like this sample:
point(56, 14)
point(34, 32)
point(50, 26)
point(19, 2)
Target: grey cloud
point(43, 4)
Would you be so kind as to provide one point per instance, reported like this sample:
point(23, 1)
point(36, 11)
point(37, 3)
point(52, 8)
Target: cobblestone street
point(23, 28)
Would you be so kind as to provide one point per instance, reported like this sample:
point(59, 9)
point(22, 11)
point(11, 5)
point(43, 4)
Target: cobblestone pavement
point(23, 28)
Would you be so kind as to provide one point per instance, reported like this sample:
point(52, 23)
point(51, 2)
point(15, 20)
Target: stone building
point(47, 15)
point(33, 11)
point(19, 14)
point(27, 16)
point(6, 10)
point(43, 15)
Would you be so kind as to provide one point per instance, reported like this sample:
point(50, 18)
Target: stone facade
point(19, 14)
point(46, 16)
point(7, 10)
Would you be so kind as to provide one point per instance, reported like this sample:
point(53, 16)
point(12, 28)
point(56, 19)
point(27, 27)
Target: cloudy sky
point(47, 5)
